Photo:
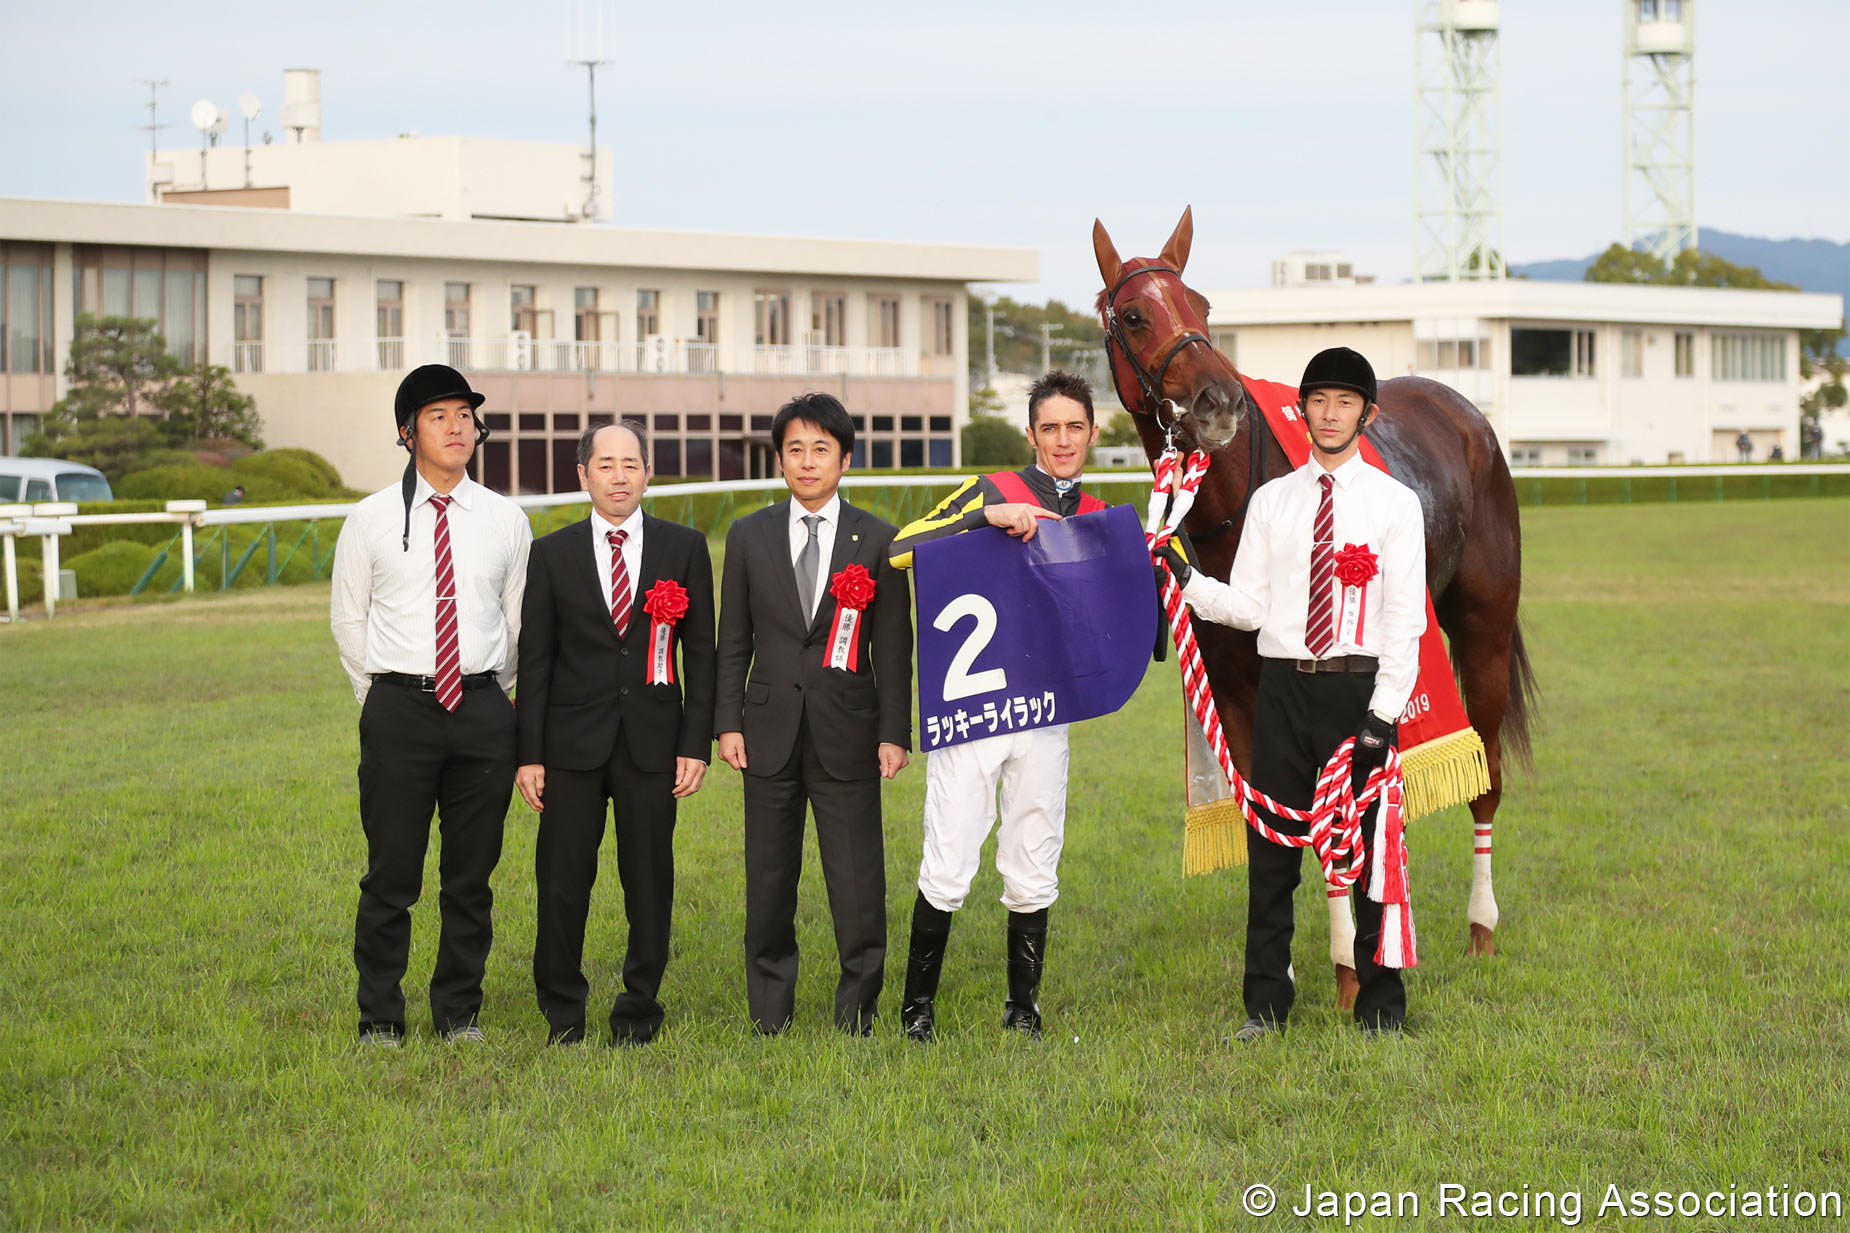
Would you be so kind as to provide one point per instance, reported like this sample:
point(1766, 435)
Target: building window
point(771, 318)
point(828, 319)
point(25, 308)
point(1747, 357)
point(1452, 353)
point(164, 285)
point(320, 325)
point(1551, 353)
point(1686, 355)
point(1583, 456)
point(883, 320)
point(456, 323)
point(943, 337)
point(1227, 342)
point(649, 318)
point(520, 300)
point(584, 314)
point(391, 326)
point(706, 317)
point(1525, 456)
point(1631, 353)
point(247, 323)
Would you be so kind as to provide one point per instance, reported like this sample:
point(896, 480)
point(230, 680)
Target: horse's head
point(1156, 335)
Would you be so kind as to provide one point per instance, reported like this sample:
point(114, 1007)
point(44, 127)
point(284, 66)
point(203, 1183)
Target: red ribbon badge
point(853, 589)
point(1355, 567)
point(666, 604)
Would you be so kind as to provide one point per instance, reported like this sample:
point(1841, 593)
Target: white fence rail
point(50, 522)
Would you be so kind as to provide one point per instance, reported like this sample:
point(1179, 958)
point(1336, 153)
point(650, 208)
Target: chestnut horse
point(1170, 377)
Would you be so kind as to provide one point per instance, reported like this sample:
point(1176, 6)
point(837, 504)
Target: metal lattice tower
point(1660, 126)
point(1458, 156)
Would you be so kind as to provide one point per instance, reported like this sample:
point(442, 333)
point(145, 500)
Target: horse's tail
point(1520, 711)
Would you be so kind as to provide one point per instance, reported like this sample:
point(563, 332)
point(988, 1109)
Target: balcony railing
point(519, 352)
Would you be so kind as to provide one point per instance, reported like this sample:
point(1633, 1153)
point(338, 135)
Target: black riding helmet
point(1339, 368)
point(422, 386)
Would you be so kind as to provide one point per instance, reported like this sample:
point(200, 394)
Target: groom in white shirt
point(1338, 661)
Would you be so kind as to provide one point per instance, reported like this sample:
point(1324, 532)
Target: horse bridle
point(1152, 383)
point(1153, 391)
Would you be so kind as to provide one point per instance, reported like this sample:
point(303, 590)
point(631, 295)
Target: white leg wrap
point(1482, 907)
point(1342, 930)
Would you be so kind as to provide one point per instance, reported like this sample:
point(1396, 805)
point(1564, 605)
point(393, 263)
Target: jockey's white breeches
point(962, 783)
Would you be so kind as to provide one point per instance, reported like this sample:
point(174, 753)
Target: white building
point(430, 250)
point(1568, 373)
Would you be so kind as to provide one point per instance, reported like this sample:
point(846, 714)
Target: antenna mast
point(585, 48)
point(153, 126)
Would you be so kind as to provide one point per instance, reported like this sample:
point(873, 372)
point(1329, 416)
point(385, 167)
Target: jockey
point(1337, 661)
point(1030, 767)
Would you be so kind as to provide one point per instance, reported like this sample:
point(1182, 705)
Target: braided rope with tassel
point(1334, 820)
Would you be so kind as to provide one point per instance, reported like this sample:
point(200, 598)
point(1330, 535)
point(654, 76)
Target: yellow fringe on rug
point(1216, 837)
point(1447, 771)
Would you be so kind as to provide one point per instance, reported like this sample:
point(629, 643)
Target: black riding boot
point(931, 930)
point(1027, 956)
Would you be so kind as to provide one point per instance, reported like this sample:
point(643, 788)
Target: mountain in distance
point(1814, 265)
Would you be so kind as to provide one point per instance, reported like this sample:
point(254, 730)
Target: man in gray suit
point(814, 707)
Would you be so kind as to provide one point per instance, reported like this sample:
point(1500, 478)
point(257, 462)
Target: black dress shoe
point(1255, 1029)
point(573, 1034)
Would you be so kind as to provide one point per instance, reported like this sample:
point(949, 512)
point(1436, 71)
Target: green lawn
point(1668, 1009)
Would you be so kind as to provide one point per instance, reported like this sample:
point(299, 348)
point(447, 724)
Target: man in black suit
point(602, 718)
point(815, 705)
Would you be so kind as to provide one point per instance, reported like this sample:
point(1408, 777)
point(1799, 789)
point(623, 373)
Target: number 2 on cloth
point(959, 681)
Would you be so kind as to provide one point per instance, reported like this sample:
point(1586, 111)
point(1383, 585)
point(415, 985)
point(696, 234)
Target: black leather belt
point(477, 680)
point(1338, 663)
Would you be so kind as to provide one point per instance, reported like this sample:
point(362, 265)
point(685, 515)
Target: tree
point(986, 401)
point(990, 442)
point(1018, 335)
point(1120, 429)
point(1619, 264)
point(118, 369)
point(204, 404)
point(1690, 268)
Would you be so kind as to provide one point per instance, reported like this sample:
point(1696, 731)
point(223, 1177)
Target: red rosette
point(853, 587)
point(666, 602)
point(1356, 565)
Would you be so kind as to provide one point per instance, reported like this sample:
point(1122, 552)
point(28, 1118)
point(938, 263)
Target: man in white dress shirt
point(1338, 661)
point(428, 576)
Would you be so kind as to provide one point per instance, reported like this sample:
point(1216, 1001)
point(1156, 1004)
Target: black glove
point(1371, 749)
point(1171, 553)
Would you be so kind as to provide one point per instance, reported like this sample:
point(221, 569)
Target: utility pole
point(1048, 330)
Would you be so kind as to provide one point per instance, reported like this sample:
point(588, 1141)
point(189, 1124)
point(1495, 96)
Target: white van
point(31, 480)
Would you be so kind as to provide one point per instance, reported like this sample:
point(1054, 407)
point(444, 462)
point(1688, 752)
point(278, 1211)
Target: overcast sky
point(1285, 125)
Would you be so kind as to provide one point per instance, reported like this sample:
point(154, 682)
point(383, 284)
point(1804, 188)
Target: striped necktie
point(619, 582)
point(1319, 624)
point(449, 646)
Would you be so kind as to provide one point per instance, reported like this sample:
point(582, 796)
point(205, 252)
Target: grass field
point(1668, 1010)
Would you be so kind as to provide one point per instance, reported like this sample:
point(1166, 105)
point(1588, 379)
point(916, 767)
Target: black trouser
point(565, 866)
point(853, 852)
point(1299, 720)
point(415, 755)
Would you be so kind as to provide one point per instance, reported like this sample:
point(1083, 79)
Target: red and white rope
point(1333, 823)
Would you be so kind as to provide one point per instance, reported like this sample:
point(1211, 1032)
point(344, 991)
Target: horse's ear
point(1110, 265)
point(1175, 253)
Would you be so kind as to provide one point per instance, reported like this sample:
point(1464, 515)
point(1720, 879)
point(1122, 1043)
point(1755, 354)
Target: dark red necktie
point(1319, 624)
point(619, 582)
point(449, 647)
